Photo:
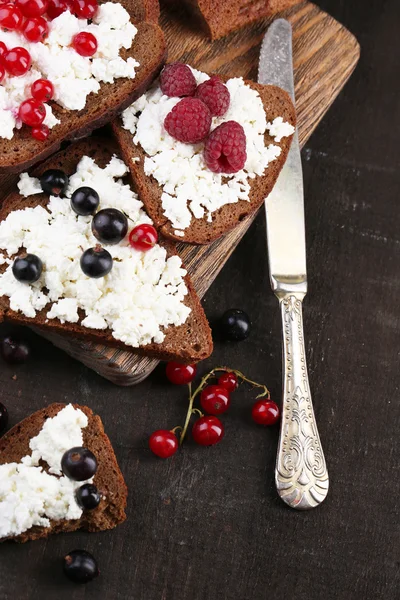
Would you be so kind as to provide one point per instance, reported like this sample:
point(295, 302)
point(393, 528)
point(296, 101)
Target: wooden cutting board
point(325, 54)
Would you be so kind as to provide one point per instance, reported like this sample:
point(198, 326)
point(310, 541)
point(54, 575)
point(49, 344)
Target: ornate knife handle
point(301, 475)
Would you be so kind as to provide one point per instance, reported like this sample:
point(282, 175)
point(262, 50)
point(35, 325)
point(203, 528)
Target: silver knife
point(301, 475)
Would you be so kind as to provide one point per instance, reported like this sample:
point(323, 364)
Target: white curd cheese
point(190, 189)
point(143, 293)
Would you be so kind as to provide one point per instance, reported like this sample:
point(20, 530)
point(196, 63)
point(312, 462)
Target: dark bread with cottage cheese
point(221, 17)
point(277, 103)
point(148, 48)
point(14, 445)
point(190, 342)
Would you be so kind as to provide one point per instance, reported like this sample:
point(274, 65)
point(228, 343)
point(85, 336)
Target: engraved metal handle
point(301, 475)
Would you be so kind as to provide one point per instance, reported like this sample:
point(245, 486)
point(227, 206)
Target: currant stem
point(188, 415)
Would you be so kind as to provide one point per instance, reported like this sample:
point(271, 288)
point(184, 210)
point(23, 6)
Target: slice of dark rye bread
point(187, 343)
point(277, 103)
point(148, 49)
point(14, 445)
point(221, 17)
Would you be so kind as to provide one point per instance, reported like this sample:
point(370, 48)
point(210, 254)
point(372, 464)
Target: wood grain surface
point(207, 525)
point(325, 54)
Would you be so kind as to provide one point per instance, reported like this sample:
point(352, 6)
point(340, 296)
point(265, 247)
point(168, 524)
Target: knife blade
point(301, 475)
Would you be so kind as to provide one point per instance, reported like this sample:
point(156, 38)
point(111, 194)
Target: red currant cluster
point(215, 400)
point(28, 17)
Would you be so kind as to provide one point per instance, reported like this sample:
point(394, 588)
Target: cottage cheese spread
point(190, 189)
point(142, 294)
point(74, 77)
point(30, 496)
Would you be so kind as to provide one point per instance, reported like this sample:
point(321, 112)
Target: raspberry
point(215, 95)
point(177, 80)
point(189, 121)
point(225, 148)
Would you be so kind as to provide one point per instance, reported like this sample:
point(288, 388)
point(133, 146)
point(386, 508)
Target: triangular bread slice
point(190, 342)
point(108, 479)
point(148, 49)
point(277, 103)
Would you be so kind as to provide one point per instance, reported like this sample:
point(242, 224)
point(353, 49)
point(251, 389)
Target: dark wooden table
point(207, 524)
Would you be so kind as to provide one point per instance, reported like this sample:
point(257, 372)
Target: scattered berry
point(215, 95)
point(10, 17)
point(96, 262)
point(85, 9)
point(180, 374)
point(265, 412)
point(54, 182)
point(177, 80)
point(163, 443)
point(225, 148)
point(189, 121)
point(110, 226)
point(207, 431)
point(3, 49)
point(87, 496)
point(13, 350)
point(32, 8)
point(42, 90)
point(17, 61)
point(235, 325)
point(215, 399)
point(84, 43)
point(2, 72)
point(32, 112)
point(143, 237)
point(80, 566)
point(85, 201)
point(40, 133)
point(35, 29)
point(3, 418)
point(79, 464)
point(27, 269)
point(229, 381)
point(57, 7)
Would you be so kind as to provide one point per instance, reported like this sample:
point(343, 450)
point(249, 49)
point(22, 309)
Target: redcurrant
point(163, 443)
point(229, 381)
point(207, 431)
point(56, 8)
point(143, 237)
point(10, 17)
point(42, 89)
point(32, 8)
point(40, 133)
point(3, 49)
point(265, 412)
point(32, 112)
point(2, 72)
point(215, 400)
point(180, 374)
point(85, 9)
point(84, 43)
point(35, 29)
point(17, 61)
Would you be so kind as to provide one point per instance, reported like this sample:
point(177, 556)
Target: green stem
point(188, 415)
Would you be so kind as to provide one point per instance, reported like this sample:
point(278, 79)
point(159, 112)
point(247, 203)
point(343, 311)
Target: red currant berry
point(32, 112)
point(265, 412)
point(56, 7)
point(85, 9)
point(35, 29)
point(32, 8)
point(207, 431)
point(17, 61)
point(163, 443)
point(10, 17)
point(84, 43)
point(42, 89)
point(3, 49)
point(215, 400)
point(143, 237)
point(40, 133)
point(229, 381)
point(2, 72)
point(180, 374)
